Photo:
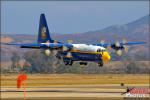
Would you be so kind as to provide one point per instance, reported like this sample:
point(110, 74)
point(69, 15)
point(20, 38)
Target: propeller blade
point(70, 41)
point(119, 52)
point(117, 44)
point(50, 52)
point(47, 52)
point(126, 49)
point(124, 41)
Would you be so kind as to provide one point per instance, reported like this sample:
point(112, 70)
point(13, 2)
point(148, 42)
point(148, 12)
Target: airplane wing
point(120, 44)
point(31, 45)
point(133, 43)
point(40, 45)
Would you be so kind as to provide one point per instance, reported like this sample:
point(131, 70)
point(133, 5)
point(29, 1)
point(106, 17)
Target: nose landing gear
point(100, 64)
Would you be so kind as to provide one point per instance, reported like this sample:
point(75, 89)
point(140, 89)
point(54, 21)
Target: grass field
point(76, 79)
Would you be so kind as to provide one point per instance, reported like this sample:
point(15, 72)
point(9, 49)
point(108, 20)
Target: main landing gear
point(83, 63)
point(68, 62)
point(100, 64)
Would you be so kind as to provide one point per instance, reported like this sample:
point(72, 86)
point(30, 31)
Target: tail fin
point(43, 34)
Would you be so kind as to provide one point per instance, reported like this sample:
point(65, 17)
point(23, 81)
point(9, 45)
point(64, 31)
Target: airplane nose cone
point(105, 56)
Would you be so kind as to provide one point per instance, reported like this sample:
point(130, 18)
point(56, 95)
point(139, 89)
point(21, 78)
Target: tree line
point(37, 62)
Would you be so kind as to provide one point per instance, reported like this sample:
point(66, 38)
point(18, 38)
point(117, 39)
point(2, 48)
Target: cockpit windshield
point(101, 50)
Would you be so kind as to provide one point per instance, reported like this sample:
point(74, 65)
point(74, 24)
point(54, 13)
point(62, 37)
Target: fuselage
point(85, 52)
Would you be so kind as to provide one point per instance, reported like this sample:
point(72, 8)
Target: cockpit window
point(98, 50)
point(101, 50)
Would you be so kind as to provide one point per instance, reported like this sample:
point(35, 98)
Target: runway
point(69, 92)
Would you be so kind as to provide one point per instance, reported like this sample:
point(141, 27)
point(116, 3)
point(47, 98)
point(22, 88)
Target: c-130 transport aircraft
point(70, 52)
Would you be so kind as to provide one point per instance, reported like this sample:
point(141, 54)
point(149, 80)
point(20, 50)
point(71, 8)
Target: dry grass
point(76, 79)
point(6, 39)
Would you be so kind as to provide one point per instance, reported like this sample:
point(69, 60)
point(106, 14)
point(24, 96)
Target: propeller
point(120, 47)
point(118, 51)
point(69, 54)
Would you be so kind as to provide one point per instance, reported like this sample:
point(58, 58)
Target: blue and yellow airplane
point(70, 52)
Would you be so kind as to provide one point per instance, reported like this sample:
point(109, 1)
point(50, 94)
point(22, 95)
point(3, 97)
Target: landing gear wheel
point(83, 63)
point(68, 62)
point(100, 64)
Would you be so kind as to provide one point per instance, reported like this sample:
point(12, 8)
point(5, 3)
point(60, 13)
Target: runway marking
point(73, 92)
point(54, 91)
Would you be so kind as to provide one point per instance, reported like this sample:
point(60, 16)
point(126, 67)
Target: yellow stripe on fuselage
point(87, 52)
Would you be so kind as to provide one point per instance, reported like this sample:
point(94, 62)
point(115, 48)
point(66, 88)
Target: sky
point(66, 17)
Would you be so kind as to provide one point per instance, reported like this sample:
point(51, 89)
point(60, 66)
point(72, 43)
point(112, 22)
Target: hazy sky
point(68, 16)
